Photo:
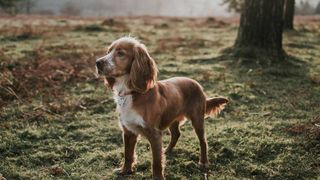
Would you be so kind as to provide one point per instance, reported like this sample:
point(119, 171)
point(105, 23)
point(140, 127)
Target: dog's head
point(127, 56)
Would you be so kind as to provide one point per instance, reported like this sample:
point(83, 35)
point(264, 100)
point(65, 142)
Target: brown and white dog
point(147, 106)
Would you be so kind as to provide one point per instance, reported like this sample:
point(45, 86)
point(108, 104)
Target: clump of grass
point(21, 37)
point(91, 28)
point(22, 34)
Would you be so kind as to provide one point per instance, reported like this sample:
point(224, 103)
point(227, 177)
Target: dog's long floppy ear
point(143, 72)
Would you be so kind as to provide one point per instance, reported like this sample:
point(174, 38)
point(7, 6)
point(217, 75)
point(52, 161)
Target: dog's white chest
point(128, 117)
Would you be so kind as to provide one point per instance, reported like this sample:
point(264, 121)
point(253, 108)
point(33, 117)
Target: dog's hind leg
point(175, 134)
point(198, 125)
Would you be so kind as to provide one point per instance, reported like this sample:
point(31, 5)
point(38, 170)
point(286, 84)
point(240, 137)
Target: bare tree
point(317, 10)
point(261, 27)
point(14, 7)
point(9, 6)
point(304, 8)
point(70, 9)
point(233, 5)
point(28, 5)
point(289, 14)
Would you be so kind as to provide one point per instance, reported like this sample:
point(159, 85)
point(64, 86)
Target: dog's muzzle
point(105, 65)
point(99, 66)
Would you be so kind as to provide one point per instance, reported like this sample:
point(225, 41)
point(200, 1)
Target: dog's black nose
point(99, 64)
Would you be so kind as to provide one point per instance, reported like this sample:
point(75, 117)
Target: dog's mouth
point(100, 72)
point(103, 71)
point(108, 73)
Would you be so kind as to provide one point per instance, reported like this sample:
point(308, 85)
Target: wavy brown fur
point(215, 105)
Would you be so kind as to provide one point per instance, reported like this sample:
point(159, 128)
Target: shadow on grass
point(21, 37)
point(286, 90)
point(208, 60)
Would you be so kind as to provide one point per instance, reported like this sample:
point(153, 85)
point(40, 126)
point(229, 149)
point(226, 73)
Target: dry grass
point(58, 121)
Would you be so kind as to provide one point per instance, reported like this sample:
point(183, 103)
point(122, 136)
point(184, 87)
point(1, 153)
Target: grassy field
point(58, 121)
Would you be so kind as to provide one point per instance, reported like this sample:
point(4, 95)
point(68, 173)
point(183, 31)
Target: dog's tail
point(215, 105)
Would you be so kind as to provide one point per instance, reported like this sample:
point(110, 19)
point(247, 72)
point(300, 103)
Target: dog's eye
point(120, 53)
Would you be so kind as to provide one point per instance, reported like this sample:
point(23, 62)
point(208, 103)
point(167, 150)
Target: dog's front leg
point(155, 139)
point(130, 140)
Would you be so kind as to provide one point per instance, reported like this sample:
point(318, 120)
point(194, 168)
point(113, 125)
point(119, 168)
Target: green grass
point(58, 121)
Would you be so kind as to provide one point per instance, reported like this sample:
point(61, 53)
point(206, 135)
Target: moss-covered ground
point(58, 121)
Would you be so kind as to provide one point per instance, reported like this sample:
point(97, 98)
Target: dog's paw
point(122, 171)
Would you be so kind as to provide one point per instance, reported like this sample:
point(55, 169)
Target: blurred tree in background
point(304, 8)
point(233, 5)
point(28, 4)
point(317, 10)
point(261, 27)
point(289, 10)
point(14, 7)
point(9, 6)
point(288, 14)
point(70, 9)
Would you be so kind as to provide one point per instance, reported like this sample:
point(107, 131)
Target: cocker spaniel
point(147, 107)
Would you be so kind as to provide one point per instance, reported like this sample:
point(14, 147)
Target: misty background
point(184, 8)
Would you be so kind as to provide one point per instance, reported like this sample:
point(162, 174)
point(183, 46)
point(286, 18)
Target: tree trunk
point(261, 27)
point(28, 6)
point(317, 11)
point(288, 14)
